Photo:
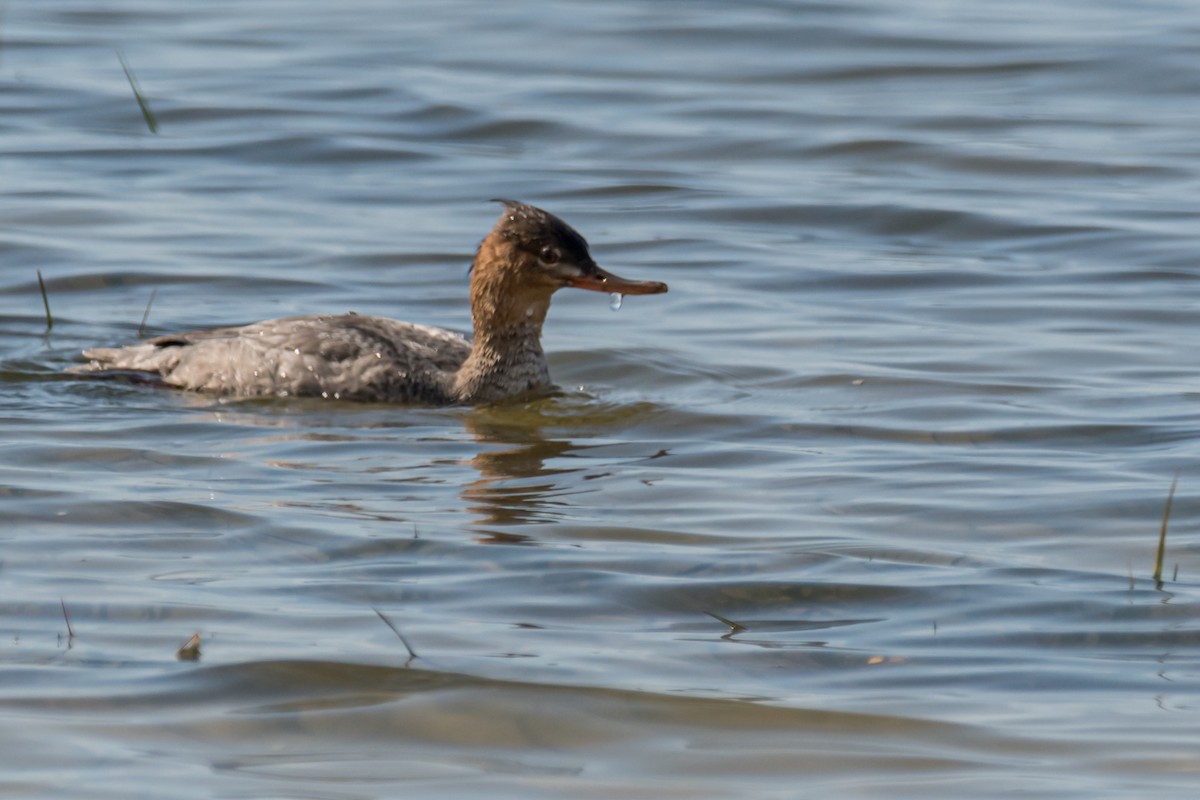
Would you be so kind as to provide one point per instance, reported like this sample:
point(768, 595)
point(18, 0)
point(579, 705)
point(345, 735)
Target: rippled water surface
point(866, 506)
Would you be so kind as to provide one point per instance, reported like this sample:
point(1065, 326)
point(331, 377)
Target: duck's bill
point(601, 281)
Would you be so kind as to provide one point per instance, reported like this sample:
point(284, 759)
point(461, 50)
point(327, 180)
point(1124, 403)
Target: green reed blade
point(151, 122)
point(1162, 534)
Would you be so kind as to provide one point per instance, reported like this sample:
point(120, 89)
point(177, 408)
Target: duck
point(526, 257)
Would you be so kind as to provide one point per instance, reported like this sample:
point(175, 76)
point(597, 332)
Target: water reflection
point(515, 485)
point(525, 481)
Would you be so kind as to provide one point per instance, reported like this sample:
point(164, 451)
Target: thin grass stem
point(734, 627)
point(45, 301)
point(1162, 535)
point(67, 619)
point(147, 114)
point(411, 653)
point(146, 313)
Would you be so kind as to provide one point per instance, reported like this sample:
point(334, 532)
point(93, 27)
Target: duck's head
point(536, 250)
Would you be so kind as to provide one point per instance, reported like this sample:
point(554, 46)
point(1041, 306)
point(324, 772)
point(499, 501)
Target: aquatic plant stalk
point(151, 122)
point(411, 653)
point(45, 301)
point(67, 619)
point(146, 314)
point(1162, 535)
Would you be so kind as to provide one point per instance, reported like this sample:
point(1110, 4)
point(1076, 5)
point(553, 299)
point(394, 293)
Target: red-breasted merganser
point(528, 256)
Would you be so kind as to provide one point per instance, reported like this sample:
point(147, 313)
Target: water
point(866, 505)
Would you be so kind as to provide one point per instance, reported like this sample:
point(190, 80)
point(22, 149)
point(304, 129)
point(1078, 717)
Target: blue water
point(867, 505)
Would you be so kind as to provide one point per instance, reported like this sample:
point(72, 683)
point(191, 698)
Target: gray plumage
point(527, 256)
point(347, 357)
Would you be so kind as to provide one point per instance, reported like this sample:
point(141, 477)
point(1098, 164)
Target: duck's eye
point(550, 255)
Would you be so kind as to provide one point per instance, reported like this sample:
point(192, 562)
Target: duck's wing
point(346, 356)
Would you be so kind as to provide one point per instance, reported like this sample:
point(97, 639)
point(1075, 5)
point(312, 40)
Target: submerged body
point(526, 257)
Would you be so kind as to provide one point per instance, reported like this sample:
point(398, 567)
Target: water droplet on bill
point(614, 301)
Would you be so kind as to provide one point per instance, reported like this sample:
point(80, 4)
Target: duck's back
point(345, 356)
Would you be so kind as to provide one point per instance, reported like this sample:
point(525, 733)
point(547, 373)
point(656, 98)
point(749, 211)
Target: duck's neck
point(506, 356)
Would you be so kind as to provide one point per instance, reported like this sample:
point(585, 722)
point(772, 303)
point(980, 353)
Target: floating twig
point(411, 653)
point(146, 314)
point(151, 123)
point(189, 650)
point(734, 627)
point(45, 301)
point(1162, 535)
